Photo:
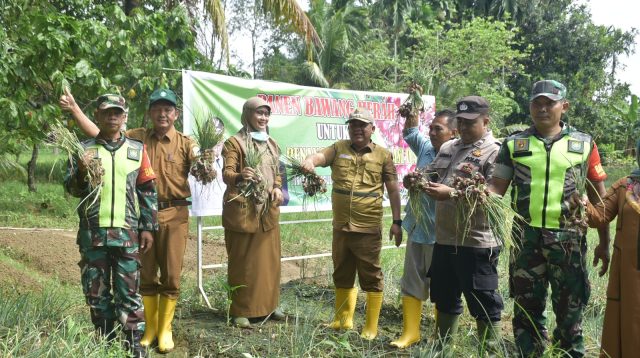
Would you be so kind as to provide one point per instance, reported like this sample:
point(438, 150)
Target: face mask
point(259, 136)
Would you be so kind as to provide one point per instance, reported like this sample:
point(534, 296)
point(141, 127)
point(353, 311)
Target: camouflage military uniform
point(109, 227)
point(549, 252)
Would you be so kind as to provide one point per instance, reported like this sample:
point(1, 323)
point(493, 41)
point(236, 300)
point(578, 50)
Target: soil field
point(55, 253)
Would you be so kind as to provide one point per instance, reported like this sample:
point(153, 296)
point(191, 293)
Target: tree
point(249, 19)
point(96, 48)
point(477, 57)
point(568, 47)
point(284, 12)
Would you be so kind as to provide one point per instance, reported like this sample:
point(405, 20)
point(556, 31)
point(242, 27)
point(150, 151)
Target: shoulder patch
point(575, 146)
point(580, 136)
point(521, 145)
point(136, 141)
point(133, 153)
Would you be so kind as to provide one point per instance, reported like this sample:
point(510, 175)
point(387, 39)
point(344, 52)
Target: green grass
point(48, 207)
point(49, 320)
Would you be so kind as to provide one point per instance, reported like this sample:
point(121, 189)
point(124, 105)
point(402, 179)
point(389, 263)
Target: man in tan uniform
point(171, 154)
point(359, 167)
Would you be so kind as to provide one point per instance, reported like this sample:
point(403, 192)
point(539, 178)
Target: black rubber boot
point(132, 343)
point(104, 328)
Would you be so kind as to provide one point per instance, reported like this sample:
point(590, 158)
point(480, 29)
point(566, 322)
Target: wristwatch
point(398, 222)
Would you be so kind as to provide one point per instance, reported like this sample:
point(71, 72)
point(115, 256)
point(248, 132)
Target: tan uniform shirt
point(360, 172)
point(458, 159)
point(239, 213)
point(171, 157)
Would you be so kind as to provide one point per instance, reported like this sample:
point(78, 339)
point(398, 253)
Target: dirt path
point(55, 253)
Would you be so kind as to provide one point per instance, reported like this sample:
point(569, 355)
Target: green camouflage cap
point(111, 101)
point(361, 114)
point(163, 94)
point(551, 89)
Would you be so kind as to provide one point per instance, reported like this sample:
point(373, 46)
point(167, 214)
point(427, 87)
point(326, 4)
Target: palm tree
point(339, 29)
point(399, 10)
point(283, 11)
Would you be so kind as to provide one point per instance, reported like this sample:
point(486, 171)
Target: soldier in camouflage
point(116, 221)
point(547, 164)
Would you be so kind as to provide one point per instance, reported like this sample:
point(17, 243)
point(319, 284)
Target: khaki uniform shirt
point(171, 157)
point(458, 159)
point(362, 173)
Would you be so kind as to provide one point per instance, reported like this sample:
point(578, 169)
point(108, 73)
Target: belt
point(171, 203)
point(356, 193)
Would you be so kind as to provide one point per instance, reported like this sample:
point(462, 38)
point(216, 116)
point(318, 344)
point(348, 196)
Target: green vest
point(357, 185)
point(117, 205)
point(546, 174)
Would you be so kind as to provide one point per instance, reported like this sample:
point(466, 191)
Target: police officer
point(116, 221)
point(171, 154)
point(465, 260)
point(359, 168)
point(546, 165)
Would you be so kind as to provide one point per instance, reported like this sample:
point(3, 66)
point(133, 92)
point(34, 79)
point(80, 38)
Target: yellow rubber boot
point(345, 306)
point(151, 319)
point(411, 315)
point(374, 303)
point(166, 310)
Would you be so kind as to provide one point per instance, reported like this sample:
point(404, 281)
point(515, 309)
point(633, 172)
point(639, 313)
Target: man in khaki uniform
point(171, 154)
point(359, 167)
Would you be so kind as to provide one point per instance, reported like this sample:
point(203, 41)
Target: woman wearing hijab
point(621, 329)
point(250, 217)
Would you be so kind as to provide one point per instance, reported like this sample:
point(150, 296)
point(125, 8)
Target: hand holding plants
point(438, 191)
point(249, 174)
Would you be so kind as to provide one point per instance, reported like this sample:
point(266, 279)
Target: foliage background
point(492, 48)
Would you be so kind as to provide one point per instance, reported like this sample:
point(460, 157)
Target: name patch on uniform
point(344, 156)
point(521, 145)
point(576, 146)
point(472, 160)
point(133, 153)
point(93, 152)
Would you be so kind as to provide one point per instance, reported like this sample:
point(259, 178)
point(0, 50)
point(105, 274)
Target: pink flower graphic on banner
point(391, 133)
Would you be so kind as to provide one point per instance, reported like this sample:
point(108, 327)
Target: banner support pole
point(199, 250)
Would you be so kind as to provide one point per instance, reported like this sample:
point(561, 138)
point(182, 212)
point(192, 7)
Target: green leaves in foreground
point(48, 324)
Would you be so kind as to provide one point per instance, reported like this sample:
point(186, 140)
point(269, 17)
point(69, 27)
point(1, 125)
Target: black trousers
point(471, 271)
